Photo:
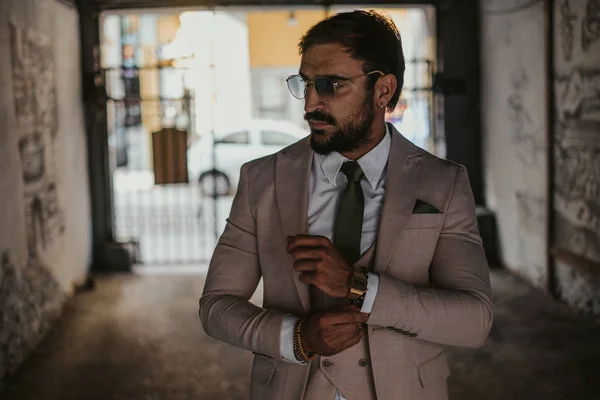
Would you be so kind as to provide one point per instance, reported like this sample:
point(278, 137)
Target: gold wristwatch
point(358, 284)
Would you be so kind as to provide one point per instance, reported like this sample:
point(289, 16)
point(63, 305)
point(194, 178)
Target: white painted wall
point(514, 125)
point(43, 172)
point(67, 250)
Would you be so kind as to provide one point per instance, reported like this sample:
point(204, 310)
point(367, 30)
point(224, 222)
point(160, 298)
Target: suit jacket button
point(391, 328)
point(412, 334)
point(327, 363)
point(363, 363)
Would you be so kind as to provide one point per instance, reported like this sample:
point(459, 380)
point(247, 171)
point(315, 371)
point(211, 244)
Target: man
point(367, 245)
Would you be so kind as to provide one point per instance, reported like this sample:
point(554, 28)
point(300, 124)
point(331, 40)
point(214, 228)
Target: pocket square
point(424, 208)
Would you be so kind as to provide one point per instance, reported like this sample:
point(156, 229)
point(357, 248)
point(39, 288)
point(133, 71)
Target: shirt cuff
point(372, 287)
point(287, 339)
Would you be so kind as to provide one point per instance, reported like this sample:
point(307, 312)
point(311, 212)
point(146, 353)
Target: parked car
point(258, 138)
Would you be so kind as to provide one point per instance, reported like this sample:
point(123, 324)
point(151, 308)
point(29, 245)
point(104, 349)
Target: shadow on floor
point(139, 338)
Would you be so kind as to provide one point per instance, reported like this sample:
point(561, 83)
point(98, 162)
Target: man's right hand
point(330, 332)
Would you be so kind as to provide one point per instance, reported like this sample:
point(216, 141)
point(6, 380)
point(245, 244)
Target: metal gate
point(156, 207)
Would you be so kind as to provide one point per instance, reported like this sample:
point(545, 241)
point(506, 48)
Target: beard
point(349, 136)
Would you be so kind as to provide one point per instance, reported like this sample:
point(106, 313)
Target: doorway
point(193, 95)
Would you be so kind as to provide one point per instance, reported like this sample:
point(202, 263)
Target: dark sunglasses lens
point(297, 86)
point(324, 88)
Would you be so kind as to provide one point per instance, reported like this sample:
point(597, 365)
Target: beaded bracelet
point(299, 352)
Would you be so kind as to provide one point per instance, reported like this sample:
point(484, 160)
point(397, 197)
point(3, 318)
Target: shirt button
point(327, 363)
point(363, 363)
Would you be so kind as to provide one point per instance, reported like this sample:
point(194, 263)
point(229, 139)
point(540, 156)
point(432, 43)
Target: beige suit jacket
point(434, 284)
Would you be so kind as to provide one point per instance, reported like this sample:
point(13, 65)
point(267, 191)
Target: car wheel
point(210, 180)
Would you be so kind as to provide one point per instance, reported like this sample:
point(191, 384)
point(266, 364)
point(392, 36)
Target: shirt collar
point(373, 163)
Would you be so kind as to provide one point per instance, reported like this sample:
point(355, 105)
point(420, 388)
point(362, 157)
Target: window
point(236, 138)
point(275, 138)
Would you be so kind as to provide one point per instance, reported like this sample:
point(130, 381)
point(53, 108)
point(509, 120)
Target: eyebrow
point(330, 76)
point(336, 77)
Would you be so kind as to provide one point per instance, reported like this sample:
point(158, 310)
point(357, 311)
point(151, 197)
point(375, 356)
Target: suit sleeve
point(457, 307)
point(234, 272)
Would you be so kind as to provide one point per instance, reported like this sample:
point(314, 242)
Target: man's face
point(342, 123)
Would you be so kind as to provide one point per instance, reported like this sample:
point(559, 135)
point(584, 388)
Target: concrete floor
point(139, 337)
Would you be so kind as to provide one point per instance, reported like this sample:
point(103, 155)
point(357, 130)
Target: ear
point(385, 89)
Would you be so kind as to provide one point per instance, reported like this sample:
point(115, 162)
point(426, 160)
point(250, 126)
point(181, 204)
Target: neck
point(378, 130)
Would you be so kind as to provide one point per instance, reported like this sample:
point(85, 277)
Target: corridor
point(139, 338)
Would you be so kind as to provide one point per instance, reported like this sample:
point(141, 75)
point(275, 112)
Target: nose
point(312, 101)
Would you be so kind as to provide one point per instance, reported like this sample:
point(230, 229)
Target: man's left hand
point(320, 264)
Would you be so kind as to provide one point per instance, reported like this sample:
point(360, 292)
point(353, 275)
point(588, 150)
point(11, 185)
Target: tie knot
point(352, 171)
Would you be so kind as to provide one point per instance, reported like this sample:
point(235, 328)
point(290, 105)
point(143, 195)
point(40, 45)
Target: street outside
point(173, 224)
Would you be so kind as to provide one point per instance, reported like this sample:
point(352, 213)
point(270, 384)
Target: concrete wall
point(514, 127)
point(45, 225)
point(516, 145)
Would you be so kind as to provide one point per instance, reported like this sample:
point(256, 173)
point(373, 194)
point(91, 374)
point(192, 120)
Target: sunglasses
point(324, 87)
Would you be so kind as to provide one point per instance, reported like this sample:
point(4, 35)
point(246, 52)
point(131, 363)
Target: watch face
point(358, 283)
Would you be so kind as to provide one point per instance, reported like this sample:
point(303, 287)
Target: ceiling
point(137, 4)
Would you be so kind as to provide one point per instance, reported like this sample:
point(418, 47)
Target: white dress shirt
point(326, 186)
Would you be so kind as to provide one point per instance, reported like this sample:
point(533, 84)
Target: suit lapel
point(292, 180)
point(404, 172)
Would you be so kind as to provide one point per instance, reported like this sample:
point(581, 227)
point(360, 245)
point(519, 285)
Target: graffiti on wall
point(577, 133)
point(532, 212)
point(590, 24)
point(566, 29)
point(34, 88)
point(577, 186)
point(527, 135)
point(30, 300)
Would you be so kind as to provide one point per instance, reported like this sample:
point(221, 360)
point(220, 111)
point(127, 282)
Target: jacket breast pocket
point(263, 370)
point(424, 221)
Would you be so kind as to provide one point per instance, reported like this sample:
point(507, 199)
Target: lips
point(317, 124)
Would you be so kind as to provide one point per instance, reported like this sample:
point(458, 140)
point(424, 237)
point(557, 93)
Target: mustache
point(320, 116)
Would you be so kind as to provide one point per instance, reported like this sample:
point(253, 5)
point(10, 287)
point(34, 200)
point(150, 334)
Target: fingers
point(346, 317)
point(307, 277)
point(354, 340)
point(345, 329)
point(306, 266)
point(307, 241)
point(308, 253)
point(345, 307)
point(326, 338)
point(340, 340)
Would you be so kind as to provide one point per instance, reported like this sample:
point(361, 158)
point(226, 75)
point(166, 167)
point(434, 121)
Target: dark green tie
point(348, 224)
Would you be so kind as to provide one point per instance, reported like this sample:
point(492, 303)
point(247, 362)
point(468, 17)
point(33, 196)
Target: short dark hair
point(369, 36)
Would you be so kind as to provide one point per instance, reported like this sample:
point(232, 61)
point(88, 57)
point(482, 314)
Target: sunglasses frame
point(335, 85)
